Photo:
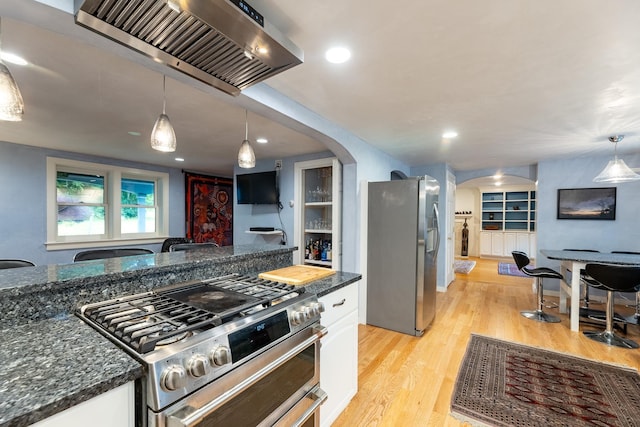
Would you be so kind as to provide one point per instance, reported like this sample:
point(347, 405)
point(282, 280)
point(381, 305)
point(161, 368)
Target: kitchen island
point(52, 360)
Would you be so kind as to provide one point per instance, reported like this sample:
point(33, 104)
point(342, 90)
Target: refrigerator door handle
point(436, 215)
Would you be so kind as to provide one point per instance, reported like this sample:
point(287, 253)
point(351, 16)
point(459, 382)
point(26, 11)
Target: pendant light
point(11, 103)
point(246, 156)
point(163, 137)
point(616, 170)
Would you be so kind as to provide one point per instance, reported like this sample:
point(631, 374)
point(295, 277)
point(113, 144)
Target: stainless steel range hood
point(224, 43)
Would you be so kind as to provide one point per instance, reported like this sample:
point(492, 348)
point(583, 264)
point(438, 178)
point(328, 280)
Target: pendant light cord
point(164, 93)
point(246, 125)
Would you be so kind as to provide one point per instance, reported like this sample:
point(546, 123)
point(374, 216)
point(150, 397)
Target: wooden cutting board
point(297, 274)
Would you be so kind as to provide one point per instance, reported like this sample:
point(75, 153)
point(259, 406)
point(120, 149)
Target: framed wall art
point(587, 203)
point(209, 209)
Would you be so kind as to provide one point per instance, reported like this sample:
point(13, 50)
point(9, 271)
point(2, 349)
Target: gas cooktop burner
point(223, 302)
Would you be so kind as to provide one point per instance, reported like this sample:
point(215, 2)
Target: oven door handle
point(319, 396)
point(196, 415)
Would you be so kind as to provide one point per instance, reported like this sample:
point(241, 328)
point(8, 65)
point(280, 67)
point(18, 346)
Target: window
point(93, 203)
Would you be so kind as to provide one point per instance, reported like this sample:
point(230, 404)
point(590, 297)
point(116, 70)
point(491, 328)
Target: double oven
point(230, 351)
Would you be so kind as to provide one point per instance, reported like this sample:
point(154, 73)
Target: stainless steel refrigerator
point(403, 241)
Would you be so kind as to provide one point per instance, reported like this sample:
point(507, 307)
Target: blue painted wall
point(605, 236)
point(246, 216)
point(23, 201)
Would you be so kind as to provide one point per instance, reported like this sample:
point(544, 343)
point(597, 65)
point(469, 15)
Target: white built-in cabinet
point(339, 351)
point(508, 220)
point(502, 243)
point(114, 408)
point(318, 213)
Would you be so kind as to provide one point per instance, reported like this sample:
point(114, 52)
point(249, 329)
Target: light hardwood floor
point(408, 381)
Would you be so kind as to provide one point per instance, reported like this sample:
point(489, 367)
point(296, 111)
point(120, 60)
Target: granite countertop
point(36, 293)
point(50, 365)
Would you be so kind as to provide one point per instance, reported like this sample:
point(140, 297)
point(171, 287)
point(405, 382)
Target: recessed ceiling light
point(450, 134)
point(133, 133)
point(338, 55)
point(14, 59)
point(179, 159)
point(498, 183)
point(497, 176)
point(262, 140)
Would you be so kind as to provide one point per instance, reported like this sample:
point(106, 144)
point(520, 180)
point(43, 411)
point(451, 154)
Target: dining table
point(574, 261)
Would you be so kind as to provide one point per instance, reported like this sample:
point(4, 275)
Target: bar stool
point(522, 260)
point(585, 311)
point(634, 319)
point(613, 278)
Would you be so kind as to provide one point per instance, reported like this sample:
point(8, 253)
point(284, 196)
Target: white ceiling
point(520, 81)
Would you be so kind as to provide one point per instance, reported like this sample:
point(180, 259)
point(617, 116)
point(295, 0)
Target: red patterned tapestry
point(209, 203)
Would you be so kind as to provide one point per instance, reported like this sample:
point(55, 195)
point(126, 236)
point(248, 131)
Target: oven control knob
point(173, 378)
point(198, 366)
point(316, 308)
point(221, 356)
point(297, 317)
point(306, 313)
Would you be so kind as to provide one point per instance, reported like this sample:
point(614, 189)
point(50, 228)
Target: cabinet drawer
point(339, 303)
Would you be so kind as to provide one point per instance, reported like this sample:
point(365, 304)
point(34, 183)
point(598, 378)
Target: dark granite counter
point(51, 365)
point(36, 293)
point(50, 360)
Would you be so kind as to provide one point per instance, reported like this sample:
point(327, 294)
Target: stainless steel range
point(235, 350)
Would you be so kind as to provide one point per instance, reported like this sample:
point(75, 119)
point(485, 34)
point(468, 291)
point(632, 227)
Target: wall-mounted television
point(257, 188)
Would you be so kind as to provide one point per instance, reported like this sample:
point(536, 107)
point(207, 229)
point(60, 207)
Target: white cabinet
point(318, 213)
point(492, 244)
point(339, 352)
point(115, 408)
point(501, 244)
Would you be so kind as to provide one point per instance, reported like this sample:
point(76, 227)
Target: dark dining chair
point(522, 261)
point(15, 263)
point(166, 245)
point(613, 278)
point(109, 253)
point(635, 318)
point(192, 246)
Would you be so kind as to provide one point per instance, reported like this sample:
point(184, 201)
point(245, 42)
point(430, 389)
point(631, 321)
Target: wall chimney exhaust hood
point(224, 43)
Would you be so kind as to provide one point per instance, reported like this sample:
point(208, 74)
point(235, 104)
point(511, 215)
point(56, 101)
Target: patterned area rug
point(504, 384)
point(510, 269)
point(463, 266)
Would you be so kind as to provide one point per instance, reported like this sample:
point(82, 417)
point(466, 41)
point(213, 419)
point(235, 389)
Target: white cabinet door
point(533, 248)
point(114, 408)
point(318, 212)
point(339, 352)
point(339, 367)
point(510, 243)
point(485, 243)
point(497, 244)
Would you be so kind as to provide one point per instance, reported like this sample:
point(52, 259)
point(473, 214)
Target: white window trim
point(113, 175)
